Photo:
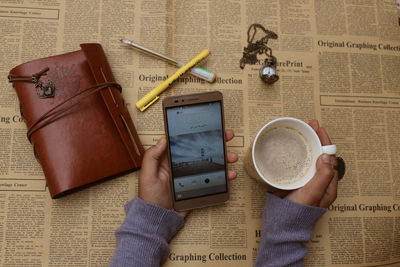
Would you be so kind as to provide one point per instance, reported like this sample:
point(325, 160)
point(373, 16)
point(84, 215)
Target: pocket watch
point(268, 71)
point(255, 47)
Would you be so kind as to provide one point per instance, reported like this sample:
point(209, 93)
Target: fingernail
point(160, 141)
point(326, 158)
point(333, 161)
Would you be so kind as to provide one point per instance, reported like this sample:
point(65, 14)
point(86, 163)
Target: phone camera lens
point(207, 180)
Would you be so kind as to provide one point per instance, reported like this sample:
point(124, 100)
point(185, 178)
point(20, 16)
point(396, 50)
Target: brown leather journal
point(77, 120)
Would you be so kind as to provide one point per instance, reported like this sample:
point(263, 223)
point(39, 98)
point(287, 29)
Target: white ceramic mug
point(313, 141)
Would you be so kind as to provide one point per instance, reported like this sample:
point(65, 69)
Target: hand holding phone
point(154, 178)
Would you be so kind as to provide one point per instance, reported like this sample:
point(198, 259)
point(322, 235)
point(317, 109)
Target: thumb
point(312, 193)
point(323, 175)
point(152, 156)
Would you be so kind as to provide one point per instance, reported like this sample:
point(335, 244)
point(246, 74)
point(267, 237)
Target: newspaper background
point(338, 62)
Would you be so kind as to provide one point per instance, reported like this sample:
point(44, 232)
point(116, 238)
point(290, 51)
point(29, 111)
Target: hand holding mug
point(288, 154)
point(321, 190)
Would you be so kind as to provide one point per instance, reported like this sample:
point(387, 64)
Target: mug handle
point(329, 149)
point(341, 165)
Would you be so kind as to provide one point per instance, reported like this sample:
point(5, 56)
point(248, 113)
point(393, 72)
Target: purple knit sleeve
point(143, 238)
point(286, 226)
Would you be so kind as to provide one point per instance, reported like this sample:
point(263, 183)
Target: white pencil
point(196, 71)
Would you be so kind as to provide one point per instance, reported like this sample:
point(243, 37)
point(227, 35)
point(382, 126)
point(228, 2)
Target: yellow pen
point(154, 94)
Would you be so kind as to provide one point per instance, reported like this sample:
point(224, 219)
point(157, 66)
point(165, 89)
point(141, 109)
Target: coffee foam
point(283, 155)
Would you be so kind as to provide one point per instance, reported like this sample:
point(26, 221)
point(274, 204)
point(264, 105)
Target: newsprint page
point(338, 61)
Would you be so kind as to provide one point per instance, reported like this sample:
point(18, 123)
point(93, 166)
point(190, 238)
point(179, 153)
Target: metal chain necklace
point(268, 71)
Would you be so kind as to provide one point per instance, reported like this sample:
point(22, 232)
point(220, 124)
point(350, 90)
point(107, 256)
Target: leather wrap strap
point(57, 111)
point(18, 78)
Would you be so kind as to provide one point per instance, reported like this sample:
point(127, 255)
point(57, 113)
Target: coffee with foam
point(283, 155)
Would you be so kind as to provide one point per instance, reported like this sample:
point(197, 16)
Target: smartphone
point(194, 126)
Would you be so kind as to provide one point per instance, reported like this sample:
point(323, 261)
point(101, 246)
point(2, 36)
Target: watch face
point(268, 75)
point(268, 71)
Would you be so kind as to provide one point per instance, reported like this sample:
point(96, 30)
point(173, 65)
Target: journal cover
point(78, 124)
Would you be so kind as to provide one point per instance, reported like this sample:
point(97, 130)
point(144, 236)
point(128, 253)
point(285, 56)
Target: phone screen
point(196, 146)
